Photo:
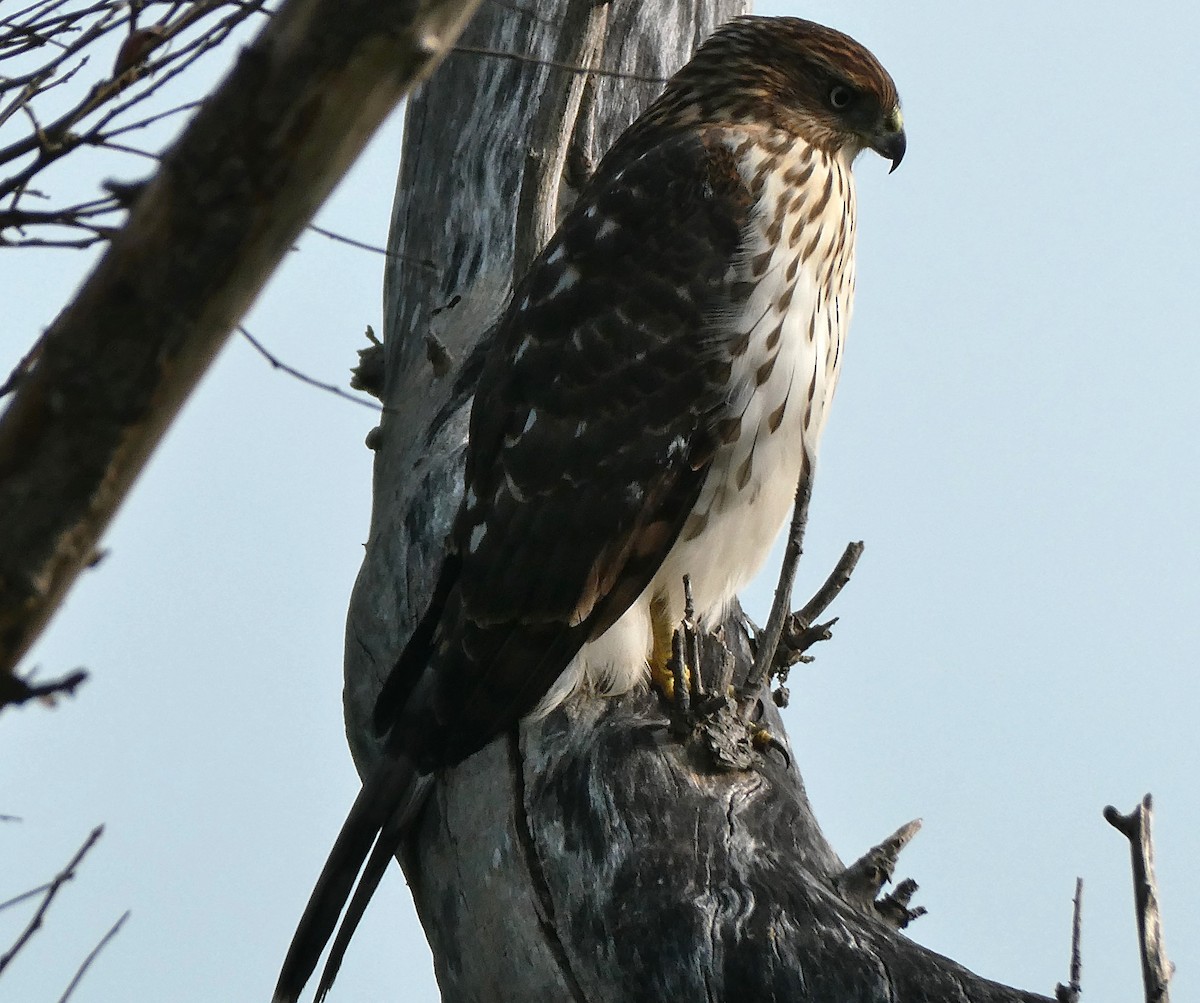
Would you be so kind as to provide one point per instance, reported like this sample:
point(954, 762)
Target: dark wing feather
point(591, 432)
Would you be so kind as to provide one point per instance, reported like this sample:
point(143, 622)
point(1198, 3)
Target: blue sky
point(1014, 438)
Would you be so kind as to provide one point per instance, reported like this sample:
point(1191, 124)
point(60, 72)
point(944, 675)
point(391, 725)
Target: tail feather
point(377, 864)
point(381, 815)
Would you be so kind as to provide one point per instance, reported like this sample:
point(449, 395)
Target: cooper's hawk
point(654, 392)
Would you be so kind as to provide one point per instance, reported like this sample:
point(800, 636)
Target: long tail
point(380, 816)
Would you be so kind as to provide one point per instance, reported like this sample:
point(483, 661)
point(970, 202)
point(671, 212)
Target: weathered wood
point(1137, 827)
point(592, 856)
point(203, 237)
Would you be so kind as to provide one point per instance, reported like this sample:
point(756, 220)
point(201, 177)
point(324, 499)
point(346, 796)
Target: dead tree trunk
point(592, 856)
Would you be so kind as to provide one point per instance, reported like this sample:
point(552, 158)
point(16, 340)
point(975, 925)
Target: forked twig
point(277, 363)
point(14, 690)
point(50, 48)
point(837, 580)
point(1136, 827)
point(862, 881)
point(60, 879)
point(769, 641)
point(796, 629)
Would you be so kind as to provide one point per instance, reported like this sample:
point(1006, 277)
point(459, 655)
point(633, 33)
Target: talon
point(763, 740)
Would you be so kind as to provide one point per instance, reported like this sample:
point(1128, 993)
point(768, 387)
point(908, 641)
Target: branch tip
point(1137, 828)
point(861, 882)
point(1072, 992)
point(15, 691)
point(51, 890)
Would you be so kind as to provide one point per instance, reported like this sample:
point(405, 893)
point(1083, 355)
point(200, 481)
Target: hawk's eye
point(840, 97)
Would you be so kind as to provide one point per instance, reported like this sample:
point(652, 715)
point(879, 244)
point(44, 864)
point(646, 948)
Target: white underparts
point(800, 256)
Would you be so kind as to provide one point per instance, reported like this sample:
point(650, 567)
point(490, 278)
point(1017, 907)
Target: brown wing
point(590, 436)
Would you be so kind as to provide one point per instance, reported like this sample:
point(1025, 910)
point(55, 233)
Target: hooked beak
point(890, 142)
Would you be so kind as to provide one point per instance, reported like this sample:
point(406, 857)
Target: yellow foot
point(763, 739)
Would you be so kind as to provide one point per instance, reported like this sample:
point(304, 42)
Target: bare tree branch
point(15, 690)
point(18, 899)
point(51, 890)
point(228, 202)
point(1072, 992)
point(373, 248)
point(329, 388)
point(768, 642)
point(1136, 827)
point(56, 48)
point(92, 955)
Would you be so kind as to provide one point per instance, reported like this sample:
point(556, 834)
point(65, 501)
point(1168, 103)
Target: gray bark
point(592, 856)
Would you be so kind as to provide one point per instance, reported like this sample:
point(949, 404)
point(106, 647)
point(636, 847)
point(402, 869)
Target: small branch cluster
point(789, 634)
point(59, 95)
point(15, 690)
point(48, 892)
point(707, 712)
point(800, 629)
point(861, 882)
point(724, 717)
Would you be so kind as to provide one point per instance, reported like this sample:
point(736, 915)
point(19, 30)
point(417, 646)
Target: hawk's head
point(801, 77)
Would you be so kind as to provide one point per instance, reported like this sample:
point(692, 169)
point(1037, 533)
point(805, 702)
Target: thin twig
point(104, 143)
point(304, 377)
point(60, 879)
point(764, 658)
point(97, 116)
point(1076, 939)
point(800, 629)
point(837, 580)
point(681, 701)
point(518, 57)
point(151, 119)
point(21, 369)
point(87, 962)
point(1073, 990)
point(18, 899)
point(77, 244)
point(1136, 827)
point(15, 691)
point(374, 248)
